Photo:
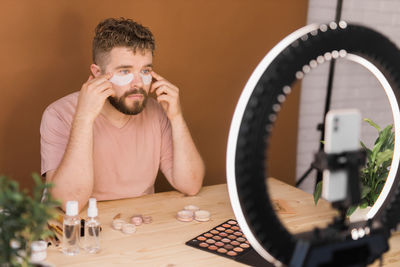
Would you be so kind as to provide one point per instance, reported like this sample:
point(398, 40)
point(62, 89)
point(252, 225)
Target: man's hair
point(121, 32)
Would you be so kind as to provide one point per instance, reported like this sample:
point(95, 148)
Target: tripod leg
point(298, 183)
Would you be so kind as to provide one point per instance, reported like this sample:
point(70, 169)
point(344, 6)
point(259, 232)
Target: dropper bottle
point(92, 228)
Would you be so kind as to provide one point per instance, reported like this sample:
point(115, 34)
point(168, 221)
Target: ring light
point(255, 115)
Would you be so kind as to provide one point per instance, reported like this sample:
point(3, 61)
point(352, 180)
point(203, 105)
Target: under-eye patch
point(121, 79)
point(146, 78)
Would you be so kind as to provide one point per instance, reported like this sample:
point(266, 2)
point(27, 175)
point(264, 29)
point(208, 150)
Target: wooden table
point(162, 243)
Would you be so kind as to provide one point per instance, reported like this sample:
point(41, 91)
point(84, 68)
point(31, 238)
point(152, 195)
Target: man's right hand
point(92, 96)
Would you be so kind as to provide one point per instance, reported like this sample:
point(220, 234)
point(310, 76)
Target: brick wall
point(353, 86)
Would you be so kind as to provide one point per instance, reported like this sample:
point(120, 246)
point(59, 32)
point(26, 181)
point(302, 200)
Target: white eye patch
point(146, 78)
point(122, 79)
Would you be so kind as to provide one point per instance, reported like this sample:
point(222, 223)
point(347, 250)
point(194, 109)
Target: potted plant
point(23, 219)
point(373, 175)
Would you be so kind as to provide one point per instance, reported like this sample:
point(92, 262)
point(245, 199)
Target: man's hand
point(92, 96)
point(167, 96)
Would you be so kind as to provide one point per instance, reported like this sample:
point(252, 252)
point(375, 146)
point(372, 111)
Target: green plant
point(23, 219)
point(373, 175)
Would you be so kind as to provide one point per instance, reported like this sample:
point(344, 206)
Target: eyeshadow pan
point(238, 249)
point(219, 244)
point(232, 237)
point(223, 234)
point(203, 245)
point(220, 228)
point(210, 241)
point(212, 247)
point(226, 240)
point(228, 246)
point(201, 238)
point(231, 253)
point(222, 250)
point(236, 228)
point(237, 233)
point(235, 243)
point(216, 237)
point(229, 231)
point(214, 232)
point(232, 222)
point(241, 239)
point(244, 245)
point(226, 225)
point(208, 235)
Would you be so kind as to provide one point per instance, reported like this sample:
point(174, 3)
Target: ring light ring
point(256, 111)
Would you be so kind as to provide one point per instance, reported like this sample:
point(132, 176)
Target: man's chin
point(129, 107)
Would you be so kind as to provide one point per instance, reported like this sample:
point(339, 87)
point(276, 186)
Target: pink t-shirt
point(126, 160)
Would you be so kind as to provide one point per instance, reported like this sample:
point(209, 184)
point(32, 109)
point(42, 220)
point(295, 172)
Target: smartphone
point(342, 133)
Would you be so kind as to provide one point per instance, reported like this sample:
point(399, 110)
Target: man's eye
point(146, 71)
point(124, 72)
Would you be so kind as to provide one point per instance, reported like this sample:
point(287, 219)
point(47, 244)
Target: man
point(109, 139)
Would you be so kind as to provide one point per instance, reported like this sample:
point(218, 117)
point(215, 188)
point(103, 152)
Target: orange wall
point(207, 48)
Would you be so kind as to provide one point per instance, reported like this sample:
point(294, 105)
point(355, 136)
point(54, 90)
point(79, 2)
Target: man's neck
point(115, 117)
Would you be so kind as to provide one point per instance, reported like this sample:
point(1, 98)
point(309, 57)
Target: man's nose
point(137, 80)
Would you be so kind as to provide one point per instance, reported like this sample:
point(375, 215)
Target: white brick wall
point(353, 86)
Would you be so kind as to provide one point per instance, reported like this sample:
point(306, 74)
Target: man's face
point(131, 98)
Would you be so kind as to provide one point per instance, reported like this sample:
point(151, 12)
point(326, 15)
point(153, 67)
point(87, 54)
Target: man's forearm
point(73, 179)
point(188, 167)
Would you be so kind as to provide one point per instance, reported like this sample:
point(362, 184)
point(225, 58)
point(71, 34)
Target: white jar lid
point(39, 251)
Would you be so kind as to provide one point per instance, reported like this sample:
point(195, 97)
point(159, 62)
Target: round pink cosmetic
point(185, 216)
point(147, 219)
point(137, 220)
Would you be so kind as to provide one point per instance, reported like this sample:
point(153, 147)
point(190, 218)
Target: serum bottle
point(92, 228)
point(71, 226)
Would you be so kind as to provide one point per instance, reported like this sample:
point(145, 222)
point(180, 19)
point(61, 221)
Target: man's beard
point(138, 106)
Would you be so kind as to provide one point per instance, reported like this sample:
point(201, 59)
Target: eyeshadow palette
point(228, 240)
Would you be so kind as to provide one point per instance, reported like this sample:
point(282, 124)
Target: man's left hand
point(167, 96)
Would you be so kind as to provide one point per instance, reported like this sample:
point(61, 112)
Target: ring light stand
point(252, 123)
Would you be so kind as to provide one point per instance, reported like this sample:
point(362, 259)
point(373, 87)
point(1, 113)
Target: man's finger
point(156, 76)
point(162, 90)
point(103, 86)
point(158, 84)
point(164, 98)
point(102, 78)
point(108, 92)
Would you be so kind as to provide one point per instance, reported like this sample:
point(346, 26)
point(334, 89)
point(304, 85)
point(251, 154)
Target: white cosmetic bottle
point(92, 228)
point(71, 229)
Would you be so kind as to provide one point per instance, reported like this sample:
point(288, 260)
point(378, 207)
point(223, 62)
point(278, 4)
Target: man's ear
point(95, 69)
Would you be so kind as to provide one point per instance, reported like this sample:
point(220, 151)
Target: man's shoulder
point(65, 104)
point(63, 108)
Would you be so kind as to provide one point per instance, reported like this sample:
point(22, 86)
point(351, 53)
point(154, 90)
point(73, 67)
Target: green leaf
point(381, 178)
point(369, 152)
point(351, 210)
point(381, 157)
point(37, 179)
point(376, 149)
point(363, 204)
point(365, 190)
point(373, 124)
point(317, 192)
